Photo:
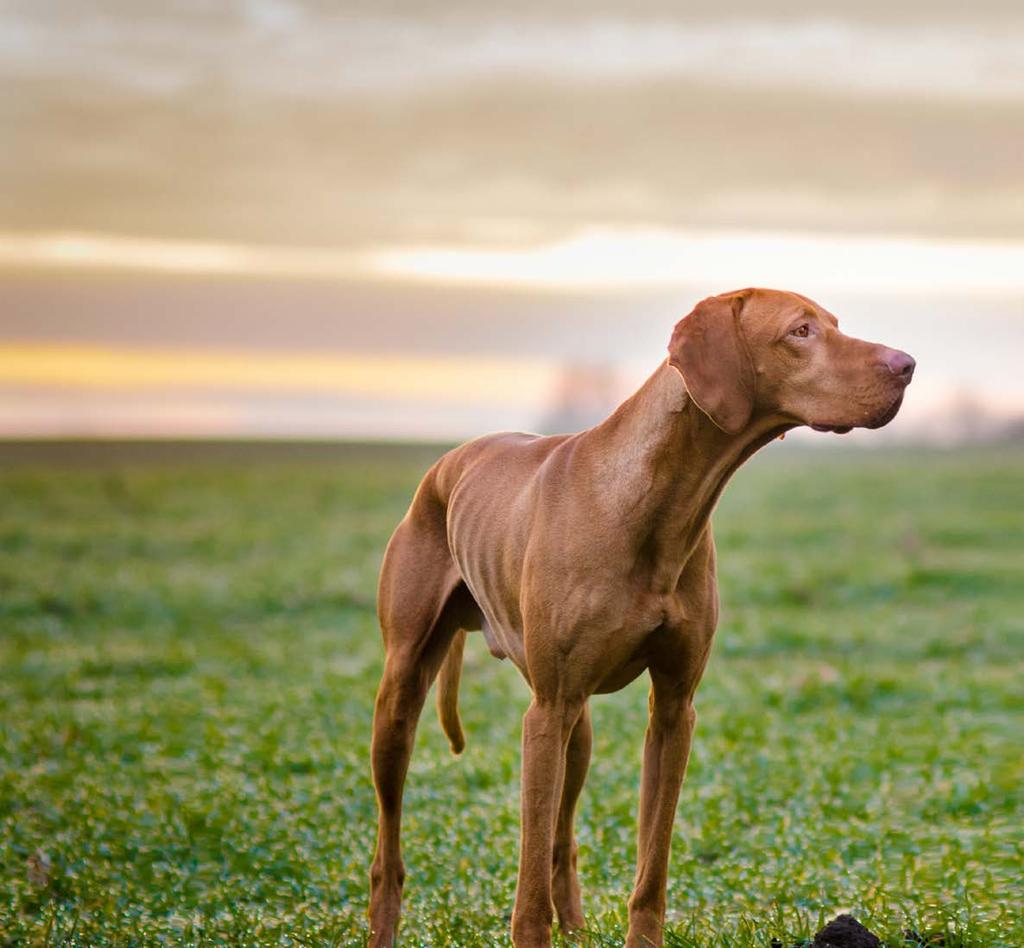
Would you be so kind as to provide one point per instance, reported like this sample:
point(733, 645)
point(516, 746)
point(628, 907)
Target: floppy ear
point(707, 349)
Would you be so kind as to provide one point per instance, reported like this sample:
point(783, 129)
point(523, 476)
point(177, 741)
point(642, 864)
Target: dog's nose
point(899, 363)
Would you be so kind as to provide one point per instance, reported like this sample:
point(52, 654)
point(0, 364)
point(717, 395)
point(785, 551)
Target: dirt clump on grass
point(844, 931)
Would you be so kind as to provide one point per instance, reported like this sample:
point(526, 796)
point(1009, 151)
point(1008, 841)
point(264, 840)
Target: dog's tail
point(448, 693)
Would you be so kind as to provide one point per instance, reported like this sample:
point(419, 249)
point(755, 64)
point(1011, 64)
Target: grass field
point(189, 653)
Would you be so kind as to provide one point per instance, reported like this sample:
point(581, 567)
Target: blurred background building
point(434, 218)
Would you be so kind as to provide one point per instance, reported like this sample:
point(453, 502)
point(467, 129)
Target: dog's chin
point(879, 421)
point(883, 419)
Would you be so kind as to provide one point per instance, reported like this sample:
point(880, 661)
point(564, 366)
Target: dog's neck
point(665, 463)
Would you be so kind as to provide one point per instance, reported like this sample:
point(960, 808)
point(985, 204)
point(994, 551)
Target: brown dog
point(587, 559)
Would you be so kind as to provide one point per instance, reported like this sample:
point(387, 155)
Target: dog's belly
point(622, 676)
point(491, 575)
point(501, 619)
point(486, 543)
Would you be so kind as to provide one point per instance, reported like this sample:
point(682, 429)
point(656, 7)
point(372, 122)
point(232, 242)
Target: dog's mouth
point(879, 421)
point(835, 429)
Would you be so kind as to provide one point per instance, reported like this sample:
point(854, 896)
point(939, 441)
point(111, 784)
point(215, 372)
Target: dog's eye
point(802, 331)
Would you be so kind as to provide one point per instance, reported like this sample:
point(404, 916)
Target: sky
point(438, 218)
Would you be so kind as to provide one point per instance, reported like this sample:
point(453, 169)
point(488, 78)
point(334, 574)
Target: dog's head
point(755, 353)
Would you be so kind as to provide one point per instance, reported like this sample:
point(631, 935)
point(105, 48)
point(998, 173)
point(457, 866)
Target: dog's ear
point(708, 351)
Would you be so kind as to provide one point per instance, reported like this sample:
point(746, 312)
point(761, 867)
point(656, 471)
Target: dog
point(587, 559)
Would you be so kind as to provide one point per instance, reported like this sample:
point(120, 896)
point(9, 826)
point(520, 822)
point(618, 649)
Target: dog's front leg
point(546, 729)
point(666, 750)
point(565, 886)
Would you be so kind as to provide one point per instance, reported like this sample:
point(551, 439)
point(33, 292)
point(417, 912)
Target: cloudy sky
point(421, 218)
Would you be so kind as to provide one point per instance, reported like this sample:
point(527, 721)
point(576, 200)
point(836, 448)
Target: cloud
point(289, 49)
point(313, 124)
point(927, 61)
point(459, 166)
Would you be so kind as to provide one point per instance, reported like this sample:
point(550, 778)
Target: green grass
point(189, 653)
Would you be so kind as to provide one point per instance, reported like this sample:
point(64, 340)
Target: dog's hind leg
point(421, 604)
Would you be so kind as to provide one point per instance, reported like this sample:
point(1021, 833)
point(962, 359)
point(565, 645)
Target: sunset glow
point(652, 258)
point(593, 259)
point(89, 367)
